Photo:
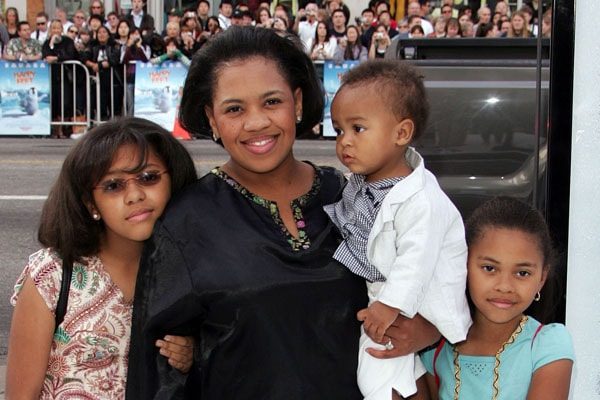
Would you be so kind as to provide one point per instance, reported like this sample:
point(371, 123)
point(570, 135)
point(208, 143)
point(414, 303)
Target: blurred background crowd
point(107, 42)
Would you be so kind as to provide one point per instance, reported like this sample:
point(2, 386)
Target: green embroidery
point(303, 241)
point(80, 277)
point(61, 335)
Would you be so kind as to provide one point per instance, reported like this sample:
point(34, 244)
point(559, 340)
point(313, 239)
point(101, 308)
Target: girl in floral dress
point(113, 186)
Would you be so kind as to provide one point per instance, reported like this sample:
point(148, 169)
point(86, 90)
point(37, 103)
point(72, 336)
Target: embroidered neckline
point(302, 242)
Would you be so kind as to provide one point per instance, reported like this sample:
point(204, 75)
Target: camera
point(378, 35)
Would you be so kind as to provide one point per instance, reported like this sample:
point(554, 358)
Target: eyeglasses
point(40, 23)
point(118, 185)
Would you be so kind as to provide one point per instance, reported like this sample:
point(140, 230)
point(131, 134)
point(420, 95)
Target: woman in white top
point(322, 47)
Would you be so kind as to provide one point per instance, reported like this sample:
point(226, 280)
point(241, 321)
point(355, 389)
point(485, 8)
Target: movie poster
point(158, 91)
point(331, 82)
point(24, 98)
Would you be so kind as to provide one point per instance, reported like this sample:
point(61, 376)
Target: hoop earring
point(537, 297)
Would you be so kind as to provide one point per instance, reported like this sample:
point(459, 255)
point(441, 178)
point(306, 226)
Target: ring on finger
point(389, 345)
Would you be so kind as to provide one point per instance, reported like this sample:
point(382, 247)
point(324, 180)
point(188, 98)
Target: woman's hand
point(407, 335)
point(51, 59)
point(179, 350)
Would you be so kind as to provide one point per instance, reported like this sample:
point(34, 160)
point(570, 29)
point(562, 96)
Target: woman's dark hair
point(66, 224)
point(416, 28)
point(257, 14)
point(484, 29)
point(400, 85)
point(125, 21)
point(349, 51)
point(327, 35)
point(215, 19)
point(509, 213)
point(453, 22)
point(241, 43)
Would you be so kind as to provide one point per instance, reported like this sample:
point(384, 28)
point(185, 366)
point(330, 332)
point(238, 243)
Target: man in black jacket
point(139, 18)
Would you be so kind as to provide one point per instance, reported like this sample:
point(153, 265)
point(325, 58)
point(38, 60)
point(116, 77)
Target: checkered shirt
point(354, 215)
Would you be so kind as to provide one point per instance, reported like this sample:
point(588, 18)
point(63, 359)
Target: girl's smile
point(505, 271)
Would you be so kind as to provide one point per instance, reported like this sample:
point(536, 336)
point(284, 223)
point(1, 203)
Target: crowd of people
point(108, 42)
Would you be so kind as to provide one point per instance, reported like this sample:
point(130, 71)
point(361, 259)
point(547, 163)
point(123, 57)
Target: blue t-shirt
point(518, 362)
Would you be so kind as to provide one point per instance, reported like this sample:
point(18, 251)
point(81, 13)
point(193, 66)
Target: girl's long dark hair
point(66, 224)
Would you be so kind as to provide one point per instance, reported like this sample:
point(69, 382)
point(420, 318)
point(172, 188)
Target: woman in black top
point(242, 260)
point(104, 57)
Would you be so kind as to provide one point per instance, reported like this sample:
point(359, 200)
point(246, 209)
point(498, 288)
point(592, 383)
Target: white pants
point(377, 377)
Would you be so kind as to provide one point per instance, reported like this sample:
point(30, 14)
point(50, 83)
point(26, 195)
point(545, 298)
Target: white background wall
point(583, 282)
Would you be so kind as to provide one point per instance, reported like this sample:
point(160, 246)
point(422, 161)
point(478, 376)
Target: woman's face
point(130, 211)
point(212, 25)
point(102, 35)
point(123, 29)
point(57, 29)
point(85, 37)
point(501, 8)
point(352, 35)
point(190, 23)
point(518, 23)
point(11, 16)
point(440, 26)
point(94, 24)
point(452, 30)
point(254, 112)
point(322, 30)
point(264, 16)
point(464, 18)
point(72, 32)
point(172, 30)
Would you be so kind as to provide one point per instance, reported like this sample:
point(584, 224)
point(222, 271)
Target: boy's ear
point(404, 132)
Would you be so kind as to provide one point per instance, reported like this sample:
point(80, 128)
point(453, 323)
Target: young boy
point(401, 232)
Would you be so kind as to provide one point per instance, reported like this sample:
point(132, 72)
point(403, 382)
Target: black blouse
point(272, 319)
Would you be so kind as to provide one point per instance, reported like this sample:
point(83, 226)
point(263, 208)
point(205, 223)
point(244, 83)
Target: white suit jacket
point(418, 243)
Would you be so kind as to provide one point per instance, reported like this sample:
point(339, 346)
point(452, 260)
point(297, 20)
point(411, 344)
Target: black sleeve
point(163, 305)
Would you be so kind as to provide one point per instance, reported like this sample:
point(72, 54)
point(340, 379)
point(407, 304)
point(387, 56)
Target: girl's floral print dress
point(88, 357)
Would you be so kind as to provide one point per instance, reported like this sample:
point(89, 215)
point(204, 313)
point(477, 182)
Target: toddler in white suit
point(401, 232)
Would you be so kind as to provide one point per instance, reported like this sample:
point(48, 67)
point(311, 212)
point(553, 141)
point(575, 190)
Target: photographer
point(306, 28)
point(58, 48)
point(322, 47)
point(135, 50)
point(350, 48)
point(380, 41)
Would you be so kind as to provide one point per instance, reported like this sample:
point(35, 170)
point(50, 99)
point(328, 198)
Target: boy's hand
point(377, 318)
point(179, 350)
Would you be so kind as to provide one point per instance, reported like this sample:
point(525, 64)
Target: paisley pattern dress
point(89, 353)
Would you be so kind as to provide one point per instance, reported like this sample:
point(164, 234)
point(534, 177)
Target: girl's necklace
point(495, 388)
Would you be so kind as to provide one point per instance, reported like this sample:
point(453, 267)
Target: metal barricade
point(116, 107)
point(74, 67)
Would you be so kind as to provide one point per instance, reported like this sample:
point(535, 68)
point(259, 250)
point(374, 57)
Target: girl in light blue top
point(507, 354)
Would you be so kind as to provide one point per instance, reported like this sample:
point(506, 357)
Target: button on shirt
point(354, 215)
